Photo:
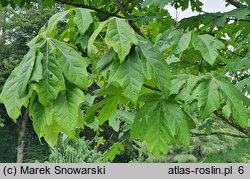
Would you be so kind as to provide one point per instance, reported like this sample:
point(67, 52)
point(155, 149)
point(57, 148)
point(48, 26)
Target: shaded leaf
point(208, 46)
point(53, 21)
point(158, 67)
point(92, 49)
point(160, 123)
point(83, 19)
point(116, 149)
point(130, 76)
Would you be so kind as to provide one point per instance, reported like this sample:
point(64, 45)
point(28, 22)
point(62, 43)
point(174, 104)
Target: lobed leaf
point(121, 37)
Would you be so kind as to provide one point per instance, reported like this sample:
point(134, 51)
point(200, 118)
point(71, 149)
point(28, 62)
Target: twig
point(231, 121)
point(235, 3)
point(219, 133)
point(151, 87)
point(89, 7)
point(125, 13)
point(236, 54)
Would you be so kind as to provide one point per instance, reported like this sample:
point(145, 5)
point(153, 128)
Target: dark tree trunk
point(21, 137)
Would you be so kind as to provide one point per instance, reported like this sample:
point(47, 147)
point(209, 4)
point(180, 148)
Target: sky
point(208, 6)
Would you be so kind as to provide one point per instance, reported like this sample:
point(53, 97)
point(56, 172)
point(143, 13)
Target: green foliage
point(209, 94)
point(154, 118)
point(239, 153)
point(208, 46)
point(78, 150)
point(17, 28)
point(125, 76)
point(132, 57)
point(206, 148)
point(114, 150)
point(121, 37)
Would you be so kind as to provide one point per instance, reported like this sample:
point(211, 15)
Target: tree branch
point(235, 3)
point(235, 53)
point(125, 13)
point(231, 122)
point(89, 7)
point(219, 133)
point(151, 87)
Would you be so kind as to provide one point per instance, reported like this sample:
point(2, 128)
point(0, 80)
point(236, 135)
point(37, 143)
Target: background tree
point(17, 28)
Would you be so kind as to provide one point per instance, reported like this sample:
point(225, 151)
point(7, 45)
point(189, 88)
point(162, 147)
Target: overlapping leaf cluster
point(76, 50)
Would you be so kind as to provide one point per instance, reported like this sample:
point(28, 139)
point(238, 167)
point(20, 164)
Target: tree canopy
point(129, 64)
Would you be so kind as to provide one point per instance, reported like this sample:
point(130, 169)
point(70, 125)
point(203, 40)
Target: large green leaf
point(180, 41)
point(159, 70)
point(161, 122)
point(130, 76)
point(52, 82)
point(121, 37)
point(67, 108)
point(10, 96)
point(43, 122)
point(209, 98)
point(215, 92)
point(83, 19)
point(235, 101)
point(16, 90)
point(25, 71)
point(73, 64)
point(208, 46)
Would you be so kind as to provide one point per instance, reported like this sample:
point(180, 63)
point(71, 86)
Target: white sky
point(208, 6)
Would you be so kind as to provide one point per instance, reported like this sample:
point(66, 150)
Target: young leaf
point(180, 41)
point(160, 3)
point(121, 37)
point(90, 112)
point(114, 122)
